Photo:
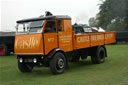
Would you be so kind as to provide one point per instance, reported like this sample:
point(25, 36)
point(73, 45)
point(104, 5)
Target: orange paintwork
point(82, 41)
point(67, 25)
point(66, 40)
point(93, 39)
point(65, 37)
point(96, 39)
point(29, 44)
point(50, 42)
point(109, 37)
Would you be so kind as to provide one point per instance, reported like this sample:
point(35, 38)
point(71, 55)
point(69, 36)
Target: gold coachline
point(29, 53)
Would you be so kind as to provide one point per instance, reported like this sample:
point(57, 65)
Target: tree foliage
point(113, 15)
point(92, 22)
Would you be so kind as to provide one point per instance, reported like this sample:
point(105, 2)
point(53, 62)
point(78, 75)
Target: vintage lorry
point(51, 41)
point(6, 43)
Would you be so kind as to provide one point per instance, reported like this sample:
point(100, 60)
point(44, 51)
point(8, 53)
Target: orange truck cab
point(52, 41)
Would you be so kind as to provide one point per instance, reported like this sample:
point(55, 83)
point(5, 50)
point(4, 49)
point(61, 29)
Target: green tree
point(113, 15)
point(93, 22)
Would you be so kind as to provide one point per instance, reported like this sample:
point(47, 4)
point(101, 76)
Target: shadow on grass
point(36, 73)
point(82, 65)
point(79, 65)
point(73, 66)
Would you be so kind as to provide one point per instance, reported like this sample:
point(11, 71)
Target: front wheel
point(58, 63)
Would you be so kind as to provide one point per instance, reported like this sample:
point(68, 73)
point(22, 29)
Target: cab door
point(50, 36)
point(65, 35)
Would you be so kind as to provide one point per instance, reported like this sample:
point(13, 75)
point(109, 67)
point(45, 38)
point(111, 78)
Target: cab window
point(29, 27)
point(50, 27)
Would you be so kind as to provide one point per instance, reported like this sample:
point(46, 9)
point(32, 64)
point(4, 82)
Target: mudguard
point(54, 51)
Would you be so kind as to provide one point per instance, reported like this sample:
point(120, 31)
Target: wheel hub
point(60, 63)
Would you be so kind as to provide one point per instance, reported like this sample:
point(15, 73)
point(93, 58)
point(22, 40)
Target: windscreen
point(30, 27)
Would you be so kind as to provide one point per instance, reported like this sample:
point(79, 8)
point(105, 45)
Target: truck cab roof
point(46, 18)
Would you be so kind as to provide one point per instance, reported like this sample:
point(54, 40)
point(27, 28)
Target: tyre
point(98, 56)
point(25, 67)
point(58, 63)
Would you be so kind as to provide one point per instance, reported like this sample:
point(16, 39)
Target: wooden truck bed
point(93, 39)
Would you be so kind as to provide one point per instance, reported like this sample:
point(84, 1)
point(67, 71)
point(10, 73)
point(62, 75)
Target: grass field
point(113, 72)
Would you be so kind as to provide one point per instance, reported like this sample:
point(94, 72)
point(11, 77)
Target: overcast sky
point(13, 10)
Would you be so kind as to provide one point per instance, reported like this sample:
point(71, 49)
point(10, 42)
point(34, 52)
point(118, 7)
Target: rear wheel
point(58, 63)
point(25, 67)
point(99, 56)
